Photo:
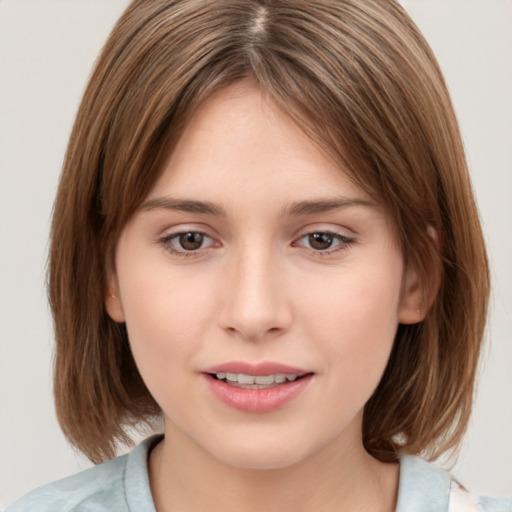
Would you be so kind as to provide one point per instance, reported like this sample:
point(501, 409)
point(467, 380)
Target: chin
point(258, 460)
point(270, 453)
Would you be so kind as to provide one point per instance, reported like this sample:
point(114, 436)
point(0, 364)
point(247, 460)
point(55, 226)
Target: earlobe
point(113, 302)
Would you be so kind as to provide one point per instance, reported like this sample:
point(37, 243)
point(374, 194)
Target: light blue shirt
point(122, 485)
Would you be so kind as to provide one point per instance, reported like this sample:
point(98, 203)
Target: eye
point(190, 241)
point(324, 241)
point(187, 242)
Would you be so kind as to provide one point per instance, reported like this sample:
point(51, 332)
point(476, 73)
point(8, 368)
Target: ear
point(112, 300)
point(419, 291)
point(412, 308)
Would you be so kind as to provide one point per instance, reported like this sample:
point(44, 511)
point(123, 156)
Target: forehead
point(237, 140)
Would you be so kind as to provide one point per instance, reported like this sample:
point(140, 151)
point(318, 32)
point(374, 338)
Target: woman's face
point(261, 289)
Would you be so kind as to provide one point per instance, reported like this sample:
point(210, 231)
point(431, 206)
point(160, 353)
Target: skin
point(258, 290)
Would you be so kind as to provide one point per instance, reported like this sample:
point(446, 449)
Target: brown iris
point(191, 241)
point(320, 241)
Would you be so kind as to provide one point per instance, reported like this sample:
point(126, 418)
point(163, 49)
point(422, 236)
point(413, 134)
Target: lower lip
point(258, 400)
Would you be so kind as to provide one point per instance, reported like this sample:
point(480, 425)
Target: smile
point(255, 381)
point(257, 388)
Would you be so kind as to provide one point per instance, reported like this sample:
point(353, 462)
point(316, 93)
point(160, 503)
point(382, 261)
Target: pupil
point(191, 241)
point(320, 241)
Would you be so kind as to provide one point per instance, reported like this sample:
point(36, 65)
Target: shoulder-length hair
point(361, 81)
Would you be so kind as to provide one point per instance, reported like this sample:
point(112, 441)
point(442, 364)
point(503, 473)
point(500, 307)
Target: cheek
point(166, 312)
point(354, 316)
point(166, 320)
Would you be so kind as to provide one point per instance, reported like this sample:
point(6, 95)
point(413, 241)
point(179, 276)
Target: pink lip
point(258, 369)
point(257, 400)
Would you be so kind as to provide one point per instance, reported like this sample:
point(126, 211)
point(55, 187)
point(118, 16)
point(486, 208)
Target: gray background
point(47, 48)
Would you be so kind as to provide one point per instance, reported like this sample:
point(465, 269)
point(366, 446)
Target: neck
point(341, 476)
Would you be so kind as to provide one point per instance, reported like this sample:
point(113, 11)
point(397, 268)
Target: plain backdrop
point(47, 48)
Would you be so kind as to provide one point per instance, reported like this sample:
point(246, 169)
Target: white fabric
point(461, 500)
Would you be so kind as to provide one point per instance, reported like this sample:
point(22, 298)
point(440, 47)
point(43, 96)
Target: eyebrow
point(184, 205)
point(298, 208)
point(325, 205)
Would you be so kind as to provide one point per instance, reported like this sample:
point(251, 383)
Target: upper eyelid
point(173, 234)
point(341, 231)
point(184, 227)
point(329, 231)
point(171, 231)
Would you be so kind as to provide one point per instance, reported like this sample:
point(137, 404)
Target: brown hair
point(362, 82)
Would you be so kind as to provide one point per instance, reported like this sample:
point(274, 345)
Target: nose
point(255, 304)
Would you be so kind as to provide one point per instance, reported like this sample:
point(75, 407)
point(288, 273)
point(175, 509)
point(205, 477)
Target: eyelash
point(167, 240)
point(344, 243)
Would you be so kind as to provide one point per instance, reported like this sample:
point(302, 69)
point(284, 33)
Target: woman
point(265, 231)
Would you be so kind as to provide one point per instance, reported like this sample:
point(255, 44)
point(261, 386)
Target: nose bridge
point(255, 302)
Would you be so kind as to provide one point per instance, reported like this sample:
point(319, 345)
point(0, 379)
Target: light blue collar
point(423, 487)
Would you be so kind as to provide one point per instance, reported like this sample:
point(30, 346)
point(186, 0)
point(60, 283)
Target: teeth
point(262, 380)
point(248, 379)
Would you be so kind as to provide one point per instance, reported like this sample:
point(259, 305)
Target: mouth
point(242, 380)
point(259, 388)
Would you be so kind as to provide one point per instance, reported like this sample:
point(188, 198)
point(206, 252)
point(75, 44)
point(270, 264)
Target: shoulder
point(102, 483)
point(119, 484)
point(425, 487)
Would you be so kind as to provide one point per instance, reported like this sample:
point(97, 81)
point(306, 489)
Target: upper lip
point(256, 369)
